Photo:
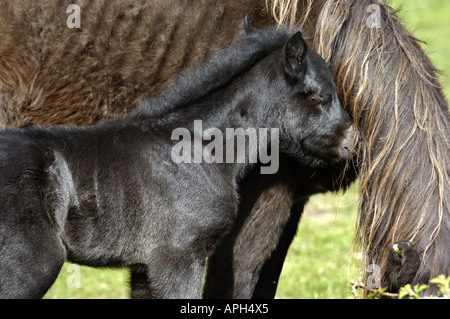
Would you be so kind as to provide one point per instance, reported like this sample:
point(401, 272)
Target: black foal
point(156, 190)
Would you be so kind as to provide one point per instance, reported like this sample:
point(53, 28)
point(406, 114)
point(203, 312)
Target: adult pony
point(125, 51)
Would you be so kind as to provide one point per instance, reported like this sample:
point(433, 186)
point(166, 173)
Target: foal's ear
point(294, 55)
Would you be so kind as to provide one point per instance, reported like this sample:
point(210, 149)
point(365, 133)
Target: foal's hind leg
point(32, 216)
point(31, 258)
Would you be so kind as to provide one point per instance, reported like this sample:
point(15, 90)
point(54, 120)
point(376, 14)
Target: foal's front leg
point(140, 284)
point(171, 274)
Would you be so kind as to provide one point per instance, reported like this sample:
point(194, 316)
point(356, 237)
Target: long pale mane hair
point(391, 89)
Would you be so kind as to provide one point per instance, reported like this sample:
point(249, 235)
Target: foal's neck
point(229, 127)
point(239, 104)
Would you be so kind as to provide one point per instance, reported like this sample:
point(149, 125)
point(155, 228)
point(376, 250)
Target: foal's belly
point(125, 227)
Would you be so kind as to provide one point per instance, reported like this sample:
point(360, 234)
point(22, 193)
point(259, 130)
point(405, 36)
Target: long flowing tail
point(390, 87)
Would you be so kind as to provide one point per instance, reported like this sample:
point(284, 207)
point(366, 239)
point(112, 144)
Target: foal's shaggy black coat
point(109, 195)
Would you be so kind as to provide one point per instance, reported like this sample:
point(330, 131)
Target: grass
point(94, 284)
point(429, 21)
point(317, 265)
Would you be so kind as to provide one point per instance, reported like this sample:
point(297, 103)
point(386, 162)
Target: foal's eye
point(315, 98)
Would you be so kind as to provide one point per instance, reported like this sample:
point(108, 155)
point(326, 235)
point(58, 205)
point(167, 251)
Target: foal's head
point(313, 124)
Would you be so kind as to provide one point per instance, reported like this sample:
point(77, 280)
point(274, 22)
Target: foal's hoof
point(403, 263)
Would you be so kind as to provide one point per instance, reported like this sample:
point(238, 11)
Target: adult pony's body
point(124, 52)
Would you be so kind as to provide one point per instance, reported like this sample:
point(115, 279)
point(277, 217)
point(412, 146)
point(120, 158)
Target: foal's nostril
point(347, 142)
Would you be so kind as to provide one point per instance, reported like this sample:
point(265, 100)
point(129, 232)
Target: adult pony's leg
point(270, 273)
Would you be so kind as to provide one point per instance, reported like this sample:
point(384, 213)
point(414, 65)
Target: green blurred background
point(320, 260)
